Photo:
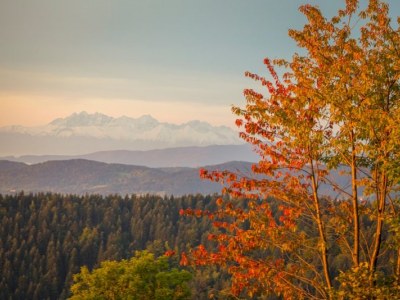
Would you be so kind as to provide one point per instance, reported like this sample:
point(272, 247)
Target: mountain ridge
point(80, 176)
point(99, 132)
point(193, 156)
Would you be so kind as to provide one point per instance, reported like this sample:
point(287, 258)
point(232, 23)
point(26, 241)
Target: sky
point(177, 60)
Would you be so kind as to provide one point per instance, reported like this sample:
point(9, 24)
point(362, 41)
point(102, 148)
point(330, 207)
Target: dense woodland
point(46, 238)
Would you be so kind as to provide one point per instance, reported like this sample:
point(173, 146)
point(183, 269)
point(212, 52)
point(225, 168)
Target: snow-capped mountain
point(83, 132)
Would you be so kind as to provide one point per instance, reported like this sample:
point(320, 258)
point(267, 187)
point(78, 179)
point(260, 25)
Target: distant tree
point(142, 277)
point(334, 110)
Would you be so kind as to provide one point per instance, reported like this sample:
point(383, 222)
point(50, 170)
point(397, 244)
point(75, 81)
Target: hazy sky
point(174, 59)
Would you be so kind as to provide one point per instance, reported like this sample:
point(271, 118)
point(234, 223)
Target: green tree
point(141, 277)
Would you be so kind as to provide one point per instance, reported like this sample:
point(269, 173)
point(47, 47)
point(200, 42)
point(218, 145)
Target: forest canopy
point(46, 238)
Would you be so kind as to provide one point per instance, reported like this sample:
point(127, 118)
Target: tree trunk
point(356, 222)
point(381, 198)
point(322, 238)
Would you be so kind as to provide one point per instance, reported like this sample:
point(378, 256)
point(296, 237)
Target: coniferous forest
point(46, 238)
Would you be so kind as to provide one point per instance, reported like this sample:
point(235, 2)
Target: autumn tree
point(326, 125)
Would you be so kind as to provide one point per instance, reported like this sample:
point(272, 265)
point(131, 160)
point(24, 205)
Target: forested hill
point(81, 176)
point(45, 238)
point(158, 158)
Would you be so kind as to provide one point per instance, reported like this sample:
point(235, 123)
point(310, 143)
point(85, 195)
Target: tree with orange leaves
point(330, 125)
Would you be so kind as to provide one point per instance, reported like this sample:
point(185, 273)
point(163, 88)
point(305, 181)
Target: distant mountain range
point(85, 133)
point(170, 157)
point(82, 154)
point(80, 176)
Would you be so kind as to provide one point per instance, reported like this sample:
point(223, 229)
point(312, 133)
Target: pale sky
point(177, 60)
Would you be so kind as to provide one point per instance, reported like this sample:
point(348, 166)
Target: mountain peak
point(147, 120)
point(82, 119)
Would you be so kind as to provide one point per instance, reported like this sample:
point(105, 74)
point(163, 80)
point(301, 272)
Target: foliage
point(354, 284)
point(141, 277)
point(46, 238)
point(334, 110)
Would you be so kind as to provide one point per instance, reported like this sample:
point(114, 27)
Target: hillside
point(81, 176)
